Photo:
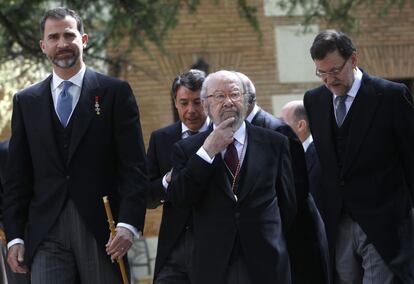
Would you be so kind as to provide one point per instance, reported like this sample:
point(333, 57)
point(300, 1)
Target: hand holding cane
point(111, 223)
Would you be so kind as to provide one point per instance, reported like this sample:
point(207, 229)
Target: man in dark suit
point(363, 130)
point(301, 239)
point(76, 137)
point(237, 179)
point(173, 260)
point(294, 114)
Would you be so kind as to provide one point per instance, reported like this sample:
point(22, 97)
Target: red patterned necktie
point(231, 158)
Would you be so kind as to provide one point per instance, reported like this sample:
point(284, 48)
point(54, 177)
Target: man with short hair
point(76, 137)
point(294, 114)
point(175, 239)
point(237, 179)
point(363, 130)
point(302, 237)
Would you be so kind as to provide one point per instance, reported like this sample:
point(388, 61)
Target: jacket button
point(67, 177)
point(237, 215)
point(342, 183)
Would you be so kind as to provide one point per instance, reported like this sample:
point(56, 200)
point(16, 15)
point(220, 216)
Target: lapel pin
point(97, 106)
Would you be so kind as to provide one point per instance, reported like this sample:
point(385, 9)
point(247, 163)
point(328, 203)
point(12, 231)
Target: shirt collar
point(75, 79)
point(307, 142)
point(355, 85)
point(240, 133)
point(252, 114)
point(203, 128)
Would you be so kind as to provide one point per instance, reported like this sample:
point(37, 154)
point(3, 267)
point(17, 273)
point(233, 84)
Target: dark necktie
point(64, 104)
point(191, 133)
point(340, 110)
point(231, 158)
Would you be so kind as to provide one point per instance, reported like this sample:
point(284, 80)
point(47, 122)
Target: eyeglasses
point(334, 72)
point(219, 97)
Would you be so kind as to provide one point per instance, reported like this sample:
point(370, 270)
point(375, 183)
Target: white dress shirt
point(352, 92)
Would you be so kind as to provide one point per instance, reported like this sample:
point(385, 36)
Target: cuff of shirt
point(203, 155)
point(133, 230)
point(14, 242)
point(165, 183)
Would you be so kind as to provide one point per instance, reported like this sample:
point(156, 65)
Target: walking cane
point(111, 223)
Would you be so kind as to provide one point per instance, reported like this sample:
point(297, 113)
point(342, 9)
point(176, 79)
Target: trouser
point(356, 260)
point(70, 254)
point(177, 269)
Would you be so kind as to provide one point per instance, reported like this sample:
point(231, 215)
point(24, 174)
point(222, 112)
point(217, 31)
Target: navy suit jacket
point(105, 157)
point(266, 204)
point(174, 219)
point(376, 182)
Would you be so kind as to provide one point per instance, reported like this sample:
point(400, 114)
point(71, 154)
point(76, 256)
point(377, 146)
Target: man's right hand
point(15, 258)
point(219, 138)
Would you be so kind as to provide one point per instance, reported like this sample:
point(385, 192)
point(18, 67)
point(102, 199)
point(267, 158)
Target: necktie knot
point(191, 133)
point(64, 104)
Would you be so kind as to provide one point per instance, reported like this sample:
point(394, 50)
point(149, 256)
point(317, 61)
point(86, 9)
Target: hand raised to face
point(219, 138)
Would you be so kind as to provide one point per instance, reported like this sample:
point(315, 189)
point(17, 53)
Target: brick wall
point(217, 34)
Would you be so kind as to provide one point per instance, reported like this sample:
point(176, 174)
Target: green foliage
point(341, 13)
point(130, 23)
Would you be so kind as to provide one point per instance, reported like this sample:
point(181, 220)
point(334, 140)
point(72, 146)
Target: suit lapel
point(322, 128)
point(220, 171)
point(363, 110)
point(84, 111)
point(42, 118)
point(249, 168)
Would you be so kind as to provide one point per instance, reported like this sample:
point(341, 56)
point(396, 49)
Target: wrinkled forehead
point(225, 83)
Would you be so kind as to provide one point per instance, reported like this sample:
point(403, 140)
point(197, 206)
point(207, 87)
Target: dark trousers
point(178, 266)
point(70, 254)
point(237, 272)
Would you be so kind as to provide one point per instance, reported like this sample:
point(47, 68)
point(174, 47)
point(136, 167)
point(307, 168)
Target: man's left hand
point(118, 246)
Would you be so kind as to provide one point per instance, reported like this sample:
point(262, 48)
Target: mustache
point(66, 50)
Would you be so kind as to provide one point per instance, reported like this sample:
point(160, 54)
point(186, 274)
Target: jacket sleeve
point(131, 158)
point(403, 124)
point(285, 187)
point(190, 178)
point(156, 192)
point(18, 186)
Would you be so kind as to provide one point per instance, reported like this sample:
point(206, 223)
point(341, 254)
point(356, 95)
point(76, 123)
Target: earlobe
point(41, 46)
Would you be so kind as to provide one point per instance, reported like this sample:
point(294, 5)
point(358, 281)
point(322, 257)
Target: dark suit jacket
point(305, 257)
point(314, 177)
point(376, 183)
point(4, 147)
point(106, 157)
point(266, 203)
point(159, 163)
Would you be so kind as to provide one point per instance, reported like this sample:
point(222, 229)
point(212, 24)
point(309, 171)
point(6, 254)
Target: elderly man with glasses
point(363, 130)
point(237, 178)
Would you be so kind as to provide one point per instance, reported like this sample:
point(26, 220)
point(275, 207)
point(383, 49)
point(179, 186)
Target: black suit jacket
point(306, 258)
point(376, 182)
point(105, 157)
point(266, 203)
point(4, 148)
point(314, 178)
point(173, 219)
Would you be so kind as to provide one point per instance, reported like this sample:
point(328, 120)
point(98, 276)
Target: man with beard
point(173, 261)
point(237, 178)
point(76, 137)
point(363, 130)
